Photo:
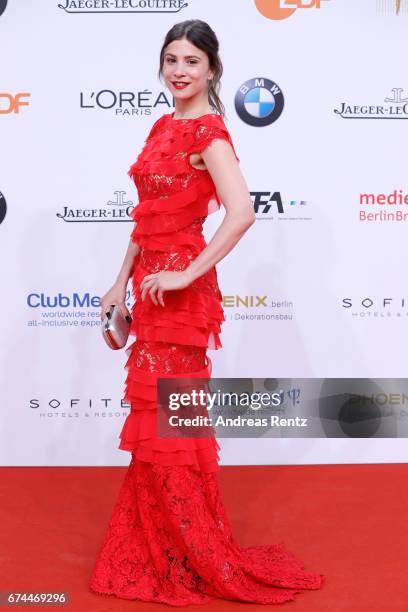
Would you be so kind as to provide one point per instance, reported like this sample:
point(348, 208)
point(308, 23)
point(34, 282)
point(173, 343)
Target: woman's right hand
point(115, 295)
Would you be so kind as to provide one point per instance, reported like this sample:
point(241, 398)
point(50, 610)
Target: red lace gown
point(169, 539)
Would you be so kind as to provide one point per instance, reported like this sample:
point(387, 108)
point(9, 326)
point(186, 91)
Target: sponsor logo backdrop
point(317, 104)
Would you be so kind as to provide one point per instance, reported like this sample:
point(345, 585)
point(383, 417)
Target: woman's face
point(186, 69)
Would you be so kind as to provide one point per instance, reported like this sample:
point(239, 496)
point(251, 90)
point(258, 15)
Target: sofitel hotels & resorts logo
point(376, 307)
point(122, 6)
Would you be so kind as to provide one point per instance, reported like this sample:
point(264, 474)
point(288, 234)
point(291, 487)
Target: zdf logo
point(282, 9)
point(11, 104)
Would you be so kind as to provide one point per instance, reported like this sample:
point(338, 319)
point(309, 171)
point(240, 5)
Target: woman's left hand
point(163, 281)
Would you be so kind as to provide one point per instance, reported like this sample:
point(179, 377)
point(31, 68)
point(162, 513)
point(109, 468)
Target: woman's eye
point(171, 61)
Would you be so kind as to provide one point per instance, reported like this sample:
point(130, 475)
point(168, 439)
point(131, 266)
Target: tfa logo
point(266, 201)
point(282, 9)
point(11, 104)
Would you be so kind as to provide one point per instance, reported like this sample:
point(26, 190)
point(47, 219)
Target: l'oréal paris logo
point(122, 6)
point(396, 107)
point(124, 103)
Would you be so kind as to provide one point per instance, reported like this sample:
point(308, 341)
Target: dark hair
point(202, 36)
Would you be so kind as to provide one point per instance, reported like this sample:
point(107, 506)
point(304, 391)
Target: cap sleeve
point(206, 133)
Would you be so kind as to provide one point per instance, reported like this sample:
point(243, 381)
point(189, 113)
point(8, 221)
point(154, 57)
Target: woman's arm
point(126, 270)
point(233, 193)
point(117, 293)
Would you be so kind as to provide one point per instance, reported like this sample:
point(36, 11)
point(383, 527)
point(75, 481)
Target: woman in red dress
point(169, 539)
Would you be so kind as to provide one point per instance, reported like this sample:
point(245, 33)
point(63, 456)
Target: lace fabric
point(169, 539)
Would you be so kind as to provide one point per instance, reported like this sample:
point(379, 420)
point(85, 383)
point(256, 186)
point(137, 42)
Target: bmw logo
point(259, 102)
point(3, 207)
point(3, 4)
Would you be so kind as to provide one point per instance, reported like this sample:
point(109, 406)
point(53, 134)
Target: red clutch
point(115, 327)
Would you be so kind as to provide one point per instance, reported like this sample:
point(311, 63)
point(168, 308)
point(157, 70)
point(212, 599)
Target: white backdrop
point(67, 146)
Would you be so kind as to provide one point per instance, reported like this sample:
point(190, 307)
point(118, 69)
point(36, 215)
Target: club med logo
point(384, 207)
point(119, 210)
point(396, 108)
point(10, 103)
point(259, 102)
point(70, 310)
point(122, 6)
point(3, 4)
point(282, 9)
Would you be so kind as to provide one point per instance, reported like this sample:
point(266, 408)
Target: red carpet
point(348, 522)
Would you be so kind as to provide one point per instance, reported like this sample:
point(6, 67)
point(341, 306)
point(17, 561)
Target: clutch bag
point(116, 327)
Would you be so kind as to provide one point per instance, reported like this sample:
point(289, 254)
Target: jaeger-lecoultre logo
point(119, 210)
